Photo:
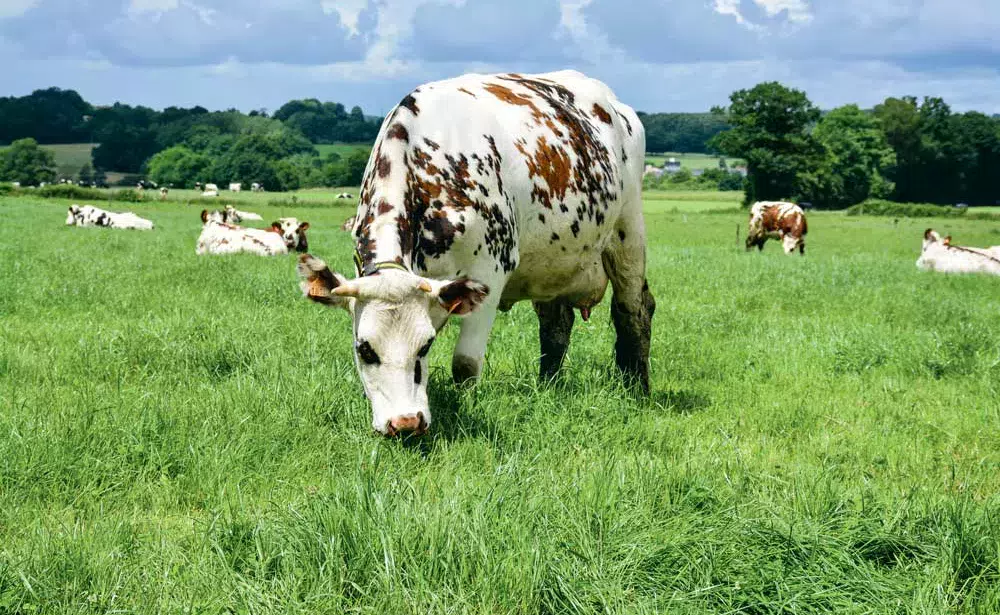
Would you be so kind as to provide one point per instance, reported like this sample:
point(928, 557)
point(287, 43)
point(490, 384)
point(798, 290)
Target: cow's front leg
point(467, 362)
point(555, 323)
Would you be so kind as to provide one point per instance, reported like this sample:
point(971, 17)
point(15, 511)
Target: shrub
point(879, 207)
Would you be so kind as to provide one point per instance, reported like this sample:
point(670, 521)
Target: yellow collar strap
point(376, 267)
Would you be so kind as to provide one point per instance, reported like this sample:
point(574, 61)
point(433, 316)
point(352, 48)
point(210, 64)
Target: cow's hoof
point(464, 369)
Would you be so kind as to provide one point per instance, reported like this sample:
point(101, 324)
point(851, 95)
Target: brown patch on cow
point(551, 163)
point(383, 166)
point(431, 144)
point(464, 91)
point(600, 113)
point(398, 131)
point(384, 207)
point(409, 102)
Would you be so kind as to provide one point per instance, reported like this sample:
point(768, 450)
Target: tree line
point(904, 149)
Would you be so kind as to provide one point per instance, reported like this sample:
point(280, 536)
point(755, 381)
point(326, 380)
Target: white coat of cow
point(939, 255)
point(88, 215)
point(235, 187)
point(482, 191)
point(219, 237)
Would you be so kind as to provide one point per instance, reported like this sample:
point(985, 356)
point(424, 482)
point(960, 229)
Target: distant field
point(343, 149)
point(690, 161)
point(69, 156)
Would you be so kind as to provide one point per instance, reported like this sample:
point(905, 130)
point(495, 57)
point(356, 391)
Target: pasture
point(183, 434)
point(690, 161)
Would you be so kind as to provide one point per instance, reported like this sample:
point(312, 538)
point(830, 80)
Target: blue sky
point(658, 55)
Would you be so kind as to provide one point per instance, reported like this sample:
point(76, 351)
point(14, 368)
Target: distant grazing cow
point(88, 215)
point(163, 193)
point(235, 187)
point(255, 187)
point(219, 237)
point(345, 195)
point(349, 223)
point(235, 216)
point(777, 220)
point(482, 191)
point(211, 188)
point(939, 255)
point(197, 186)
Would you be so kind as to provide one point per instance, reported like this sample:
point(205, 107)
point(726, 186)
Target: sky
point(657, 55)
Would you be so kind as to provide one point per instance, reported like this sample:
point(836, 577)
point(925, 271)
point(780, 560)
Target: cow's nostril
point(415, 424)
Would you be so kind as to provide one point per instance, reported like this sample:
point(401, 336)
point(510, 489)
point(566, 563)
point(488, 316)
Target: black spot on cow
point(541, 218)
point(621, 235)
point(416, 373)
point(575, 227)
point(431, 144)
point(411, 103)
point(555, 236)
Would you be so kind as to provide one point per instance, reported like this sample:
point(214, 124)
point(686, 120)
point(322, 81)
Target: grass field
point(690, 161)
point(183, 434)
point(341, 148)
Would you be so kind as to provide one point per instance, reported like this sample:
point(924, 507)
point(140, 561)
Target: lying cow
point(235, 216)
point(939, 255)
point(220, 237)
point(88, 215)
point(777, 220)
point(536, 196)
point(235, 187)
point(345, 195)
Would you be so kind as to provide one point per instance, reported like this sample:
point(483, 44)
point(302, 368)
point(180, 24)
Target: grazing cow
point(163, 193)
point(88, 215)
point(255, 187)
point(220, 237)
point(197, 186)
point(235, 216)
point(939, 255)
point(349, 223)
point(235, 187)
point(482, 191)
point(777, 220)
point(345, 195)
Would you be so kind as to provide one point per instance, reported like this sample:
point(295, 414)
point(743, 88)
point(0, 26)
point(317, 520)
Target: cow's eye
point(367, 354)
point(425, 348)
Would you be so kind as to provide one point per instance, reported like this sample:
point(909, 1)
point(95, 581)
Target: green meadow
point(184, 434)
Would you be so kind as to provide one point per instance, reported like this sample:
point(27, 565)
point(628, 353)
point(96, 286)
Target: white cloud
point(15, 8)
point(796, 12)
point(139, 7)
point(348, 10)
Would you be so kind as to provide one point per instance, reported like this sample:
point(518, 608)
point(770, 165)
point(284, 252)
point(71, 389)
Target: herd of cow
point(483, 191)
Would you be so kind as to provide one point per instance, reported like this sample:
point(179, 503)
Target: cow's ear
point(318, 282)
point(304, 226)
point(947, 240)
point(204, 216)
point(460, 297)
point(276, 226)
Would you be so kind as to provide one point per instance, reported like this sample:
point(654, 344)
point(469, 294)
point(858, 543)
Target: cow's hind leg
point(632, 305)
point(555, 323)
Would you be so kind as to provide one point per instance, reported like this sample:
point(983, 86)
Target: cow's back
point(512, 178)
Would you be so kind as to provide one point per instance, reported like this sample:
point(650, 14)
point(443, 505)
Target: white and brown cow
point(777, 220)
point(482, 191)
point(939, 255)
point(219, 237)
point(88, 215)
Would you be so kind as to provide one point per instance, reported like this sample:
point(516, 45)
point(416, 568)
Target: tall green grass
point(183, 434)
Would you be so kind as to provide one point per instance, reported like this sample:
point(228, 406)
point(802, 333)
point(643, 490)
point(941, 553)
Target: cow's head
point(396, 317)
point(217, 217)
point(293, 232)
point(74, 216)
point(791, 242)
point(231, 216)
point(931, 238)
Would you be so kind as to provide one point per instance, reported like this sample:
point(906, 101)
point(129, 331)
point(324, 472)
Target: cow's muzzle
point(413, 423)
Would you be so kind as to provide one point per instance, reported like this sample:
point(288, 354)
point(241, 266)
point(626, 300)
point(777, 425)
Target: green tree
point(770, 130)
point(856, 159)
point(25, 162)
point(178, 166)
point(86, 174)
